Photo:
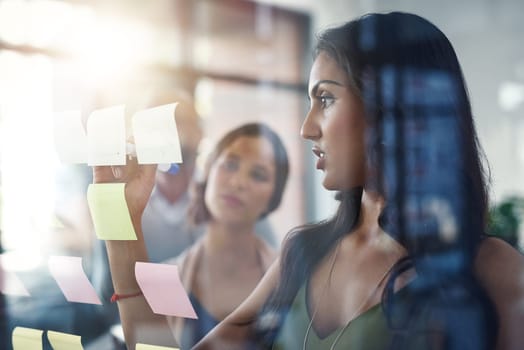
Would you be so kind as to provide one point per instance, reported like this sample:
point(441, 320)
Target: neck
point(368, 231)
point(220, 238)
point(371, 207)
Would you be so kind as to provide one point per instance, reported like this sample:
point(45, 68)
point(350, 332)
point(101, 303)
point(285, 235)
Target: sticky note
point(163, 290)
point(70, 137)
point(153, 347)
point(109, 212)
point(156, 136)
point(64, 341)
point(10, 283)
point(27, 338)
point(72, 280)
point(106, 137)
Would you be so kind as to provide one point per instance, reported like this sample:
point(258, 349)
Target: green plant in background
point(505, 219)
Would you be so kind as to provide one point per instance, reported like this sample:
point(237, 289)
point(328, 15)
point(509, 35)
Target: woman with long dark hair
point(405, 262)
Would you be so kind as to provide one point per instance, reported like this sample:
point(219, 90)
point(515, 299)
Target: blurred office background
point(242, 61)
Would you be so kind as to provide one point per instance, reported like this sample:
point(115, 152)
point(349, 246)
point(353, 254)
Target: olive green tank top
point(367, 331)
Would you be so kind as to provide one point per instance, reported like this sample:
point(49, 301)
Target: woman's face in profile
point(241, 181)
point(336, 125)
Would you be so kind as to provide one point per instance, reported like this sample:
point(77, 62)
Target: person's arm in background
point(500, 269)
point(235, 332)
point(139, 323)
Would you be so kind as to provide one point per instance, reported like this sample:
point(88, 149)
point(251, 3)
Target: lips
point(321, 157)
point(232, 200)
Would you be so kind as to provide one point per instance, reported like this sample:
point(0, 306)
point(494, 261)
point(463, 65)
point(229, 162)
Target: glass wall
point(241, 61)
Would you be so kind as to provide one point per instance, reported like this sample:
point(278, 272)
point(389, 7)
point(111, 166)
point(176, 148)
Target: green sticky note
point(153, 347)
point(64, 341)
point(27, 339)
point(108, 207)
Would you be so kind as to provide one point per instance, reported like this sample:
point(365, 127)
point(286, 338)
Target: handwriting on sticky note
point(156, 135)
point(64, 341)
point(106, 137)
point(27, 338)
point(72, 280)
point(70, 137)
point(163, 290)
point(140, 346)
point(109, 212)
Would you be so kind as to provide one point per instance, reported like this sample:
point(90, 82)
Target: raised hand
point(139, 180)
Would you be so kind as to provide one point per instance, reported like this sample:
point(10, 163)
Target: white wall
point(488, 38)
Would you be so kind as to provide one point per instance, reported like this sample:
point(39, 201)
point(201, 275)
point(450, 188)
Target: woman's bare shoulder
point(267, 253)
point(496, 260)
point(500, 269)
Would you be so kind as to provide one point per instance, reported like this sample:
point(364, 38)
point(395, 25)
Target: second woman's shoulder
point(266, 252)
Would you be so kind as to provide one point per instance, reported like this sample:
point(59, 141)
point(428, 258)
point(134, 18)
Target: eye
point(260, 175)
point(325, 100)
point(230, 165)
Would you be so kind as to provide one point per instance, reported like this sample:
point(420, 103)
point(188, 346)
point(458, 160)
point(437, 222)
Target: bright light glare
point(103, 48)
point(204, 97)
point(107, 48)
point(511, 95)
point(35, 23)
point(27, 158)
point(12, 23)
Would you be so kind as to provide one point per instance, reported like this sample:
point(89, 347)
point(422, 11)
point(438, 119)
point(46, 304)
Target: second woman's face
point(336, 124)
point(241, 181)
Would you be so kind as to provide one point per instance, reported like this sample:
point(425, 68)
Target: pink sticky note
point(70, 277)
point(10, 283)
point(163, 290)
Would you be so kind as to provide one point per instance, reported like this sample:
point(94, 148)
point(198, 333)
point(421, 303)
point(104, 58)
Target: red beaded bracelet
point(115, 297)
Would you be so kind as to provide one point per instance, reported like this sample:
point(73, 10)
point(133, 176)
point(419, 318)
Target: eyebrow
point(231, 155)
point(320, 82)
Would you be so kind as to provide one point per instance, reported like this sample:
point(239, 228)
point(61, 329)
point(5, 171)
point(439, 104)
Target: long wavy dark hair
point(409, 78)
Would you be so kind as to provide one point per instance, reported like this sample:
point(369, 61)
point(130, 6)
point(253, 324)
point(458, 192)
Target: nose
point(239, 180)
point(310, 129)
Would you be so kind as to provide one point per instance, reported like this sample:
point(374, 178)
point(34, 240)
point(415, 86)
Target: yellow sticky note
point(108, 207)
point(153, 347)
point(64, 341)
point(27, 339)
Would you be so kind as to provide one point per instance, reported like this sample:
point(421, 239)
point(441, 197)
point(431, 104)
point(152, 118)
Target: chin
point(329, 185)
point(334, 185)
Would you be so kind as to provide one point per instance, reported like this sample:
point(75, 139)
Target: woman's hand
point(139, 180)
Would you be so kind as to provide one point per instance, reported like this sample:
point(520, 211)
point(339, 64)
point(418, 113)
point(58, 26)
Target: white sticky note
point(72, 280)
point(64, 341)
point(106, 137)
point(70, 137)
point(27, 338)
point(156, 136)
point(10, 283)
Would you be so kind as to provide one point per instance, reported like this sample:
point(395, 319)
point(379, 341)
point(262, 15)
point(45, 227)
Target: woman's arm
point(500, 269)
point(235, 331)
point(140, 324)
